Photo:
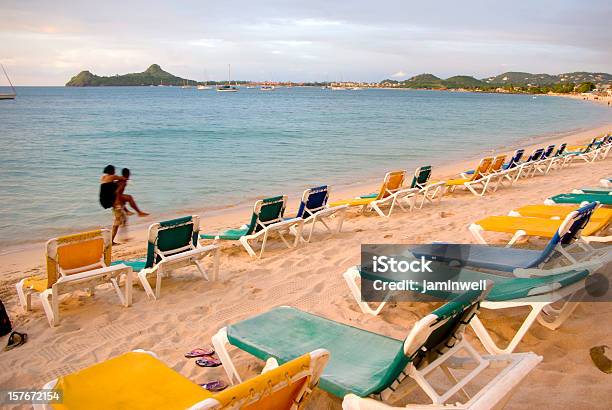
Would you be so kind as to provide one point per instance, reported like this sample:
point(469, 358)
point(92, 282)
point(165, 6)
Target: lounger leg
point(50, 304)
point(142, 275)
point(558, 315)
point(158, 280)
point(476, 231)
point(215, 267)
point(491, 346)
point(220, 342)
point(263, 243)
point(517, 235)
point(200, 269)
point(245, 242)
point(122, 299)
point(24, 295)
point(341, 220)
point(350, 276)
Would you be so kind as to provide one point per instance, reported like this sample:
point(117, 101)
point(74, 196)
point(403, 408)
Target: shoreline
point(234, 215)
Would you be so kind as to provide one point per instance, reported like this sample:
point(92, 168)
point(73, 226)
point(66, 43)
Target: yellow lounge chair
point(468, 181)
point(600, 219)
point(390, 194)
point(520, 227)
point(138, 380)
point(80, 261)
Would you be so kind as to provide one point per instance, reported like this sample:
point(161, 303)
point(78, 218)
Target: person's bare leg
point(130, 200)
point(114, 233)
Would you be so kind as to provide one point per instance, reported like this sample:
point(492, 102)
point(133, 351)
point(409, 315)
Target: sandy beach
point(191, 310)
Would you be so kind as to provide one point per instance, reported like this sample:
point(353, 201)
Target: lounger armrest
point(93, 273)
point(591, 265)
point(190, 253)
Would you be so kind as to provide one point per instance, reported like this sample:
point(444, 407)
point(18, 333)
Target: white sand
point(191, 310)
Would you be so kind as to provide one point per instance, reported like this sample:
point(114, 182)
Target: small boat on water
point(267, 88)
point(228, 88)
point(8, 96)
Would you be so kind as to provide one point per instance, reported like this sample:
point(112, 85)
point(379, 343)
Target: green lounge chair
point(368, 364)
point(578, 198)
point(171, 245)
point(535, 288)
point(267, 219)
point(429, 190)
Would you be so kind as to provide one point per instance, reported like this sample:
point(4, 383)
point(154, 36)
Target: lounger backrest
point(285, 387)
point(536, 155)
point(392, 182)
point(172, 237)
point(421, 177)
point(482, 168)
point(516, 158)
point(267, 211)
point(313, 200)
point(568, 231)
point(77, 253)
point(497, 164)
point(440, 330)
point(548, 152)
point(561, 150)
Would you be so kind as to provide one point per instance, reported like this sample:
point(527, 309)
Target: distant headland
point(516, 82)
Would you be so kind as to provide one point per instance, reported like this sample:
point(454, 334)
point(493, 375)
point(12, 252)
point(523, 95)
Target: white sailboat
point(8, 96)
point(228, 88)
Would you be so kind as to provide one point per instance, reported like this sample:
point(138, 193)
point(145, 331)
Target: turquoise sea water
point(191, 150)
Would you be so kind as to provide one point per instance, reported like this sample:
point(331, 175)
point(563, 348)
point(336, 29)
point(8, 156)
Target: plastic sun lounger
point(139, 380)
point(267, 219)
point(481, 170)
point(423, 189)
point(536, 289)
point(588, 153)
point(521, 227)
point(551, 161)
point(171, 245)
point(516, 259)
point(493, 175)
point(600, 217)
point(525, 169)
point(578, 198)
point(313, 208)
point(390, 194)
point(368, 364)
point(79, 261)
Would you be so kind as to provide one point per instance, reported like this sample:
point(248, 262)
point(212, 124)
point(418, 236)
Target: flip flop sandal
point(16, 339)
point(208, 361)
point(215, 385)
point(199, 352)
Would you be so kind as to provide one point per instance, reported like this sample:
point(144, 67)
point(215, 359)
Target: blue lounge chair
point(513, 259)
point(313, 208)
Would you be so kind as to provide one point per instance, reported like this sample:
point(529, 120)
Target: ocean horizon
point(199, 149)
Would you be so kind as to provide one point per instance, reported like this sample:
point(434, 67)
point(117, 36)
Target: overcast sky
point(47, 42)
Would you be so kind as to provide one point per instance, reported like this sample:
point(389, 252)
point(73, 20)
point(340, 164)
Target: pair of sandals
point(15, 339)
point(205, 358)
